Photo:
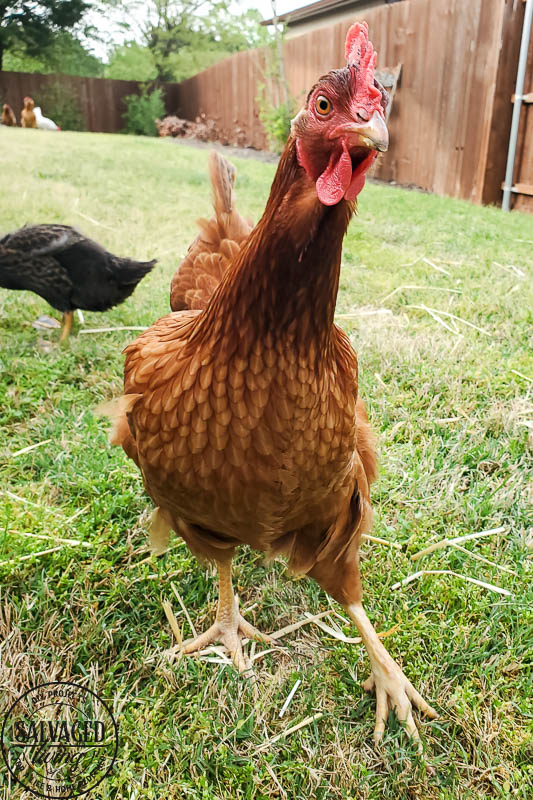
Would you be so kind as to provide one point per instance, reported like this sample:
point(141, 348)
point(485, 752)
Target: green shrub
point(60, 103)
point(142, 111)
point(276, 119)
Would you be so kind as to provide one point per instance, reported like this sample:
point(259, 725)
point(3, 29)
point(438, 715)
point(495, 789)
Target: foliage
point(131, 62)
point(142, 111)
point(453, 419)
point(182, 41)
point(276, 106)
point(234, 32)
point(61, 104)
point(65, 54)
point(276, 119)
point(27, 28)
point(191, 59)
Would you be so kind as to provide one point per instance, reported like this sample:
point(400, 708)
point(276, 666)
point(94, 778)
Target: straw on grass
point(483, 559)
point(184, 609)
point(288, 701)
point(435, 266)
point(89, 219)
point(167, 608)
point(77, 514)
point(451, 316)
point(273, 776)
point(341, 637)
point(420, 288)
point(423, 572)
point(47, 537)
point(289, 731)
point(27, 502)
point(368, 538)
point(255, 656)
point(364, 312)
point(295, 625)
point(11, 561)
point(30, 447)
point(511, 268)
point(437, 318)
point(521, 375)
point(456, 540)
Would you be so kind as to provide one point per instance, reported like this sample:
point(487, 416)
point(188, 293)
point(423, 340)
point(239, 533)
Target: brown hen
point(8, 116)
point(242, 410)
point(27, 115)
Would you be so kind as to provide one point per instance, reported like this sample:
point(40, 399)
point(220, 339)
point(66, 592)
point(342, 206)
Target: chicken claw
point(230, 633)
point(230, 627)
point(393, 689)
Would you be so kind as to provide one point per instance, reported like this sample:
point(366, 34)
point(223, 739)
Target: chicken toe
point(230, 634)
point(393, 689)
point(230, 627)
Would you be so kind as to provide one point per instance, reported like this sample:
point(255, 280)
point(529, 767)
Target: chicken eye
point(322, 105)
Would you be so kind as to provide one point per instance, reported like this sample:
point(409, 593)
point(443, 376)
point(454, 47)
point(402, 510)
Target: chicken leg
point(230, 626)
point(68, 318)
point(393, 689)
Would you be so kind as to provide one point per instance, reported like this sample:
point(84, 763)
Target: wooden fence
point(101, 101)
point(451, 116)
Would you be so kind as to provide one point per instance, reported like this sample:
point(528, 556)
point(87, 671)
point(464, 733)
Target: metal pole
point(517, 108)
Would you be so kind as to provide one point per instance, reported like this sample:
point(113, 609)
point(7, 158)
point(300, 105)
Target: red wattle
point(359, 175)
point(335, 181)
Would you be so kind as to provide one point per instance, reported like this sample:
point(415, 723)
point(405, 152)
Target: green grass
point(453, 417)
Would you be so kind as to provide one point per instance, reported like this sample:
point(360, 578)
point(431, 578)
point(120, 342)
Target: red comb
point(360, 53)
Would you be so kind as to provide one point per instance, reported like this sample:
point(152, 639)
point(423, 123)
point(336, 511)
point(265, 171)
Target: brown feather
point(218, 242)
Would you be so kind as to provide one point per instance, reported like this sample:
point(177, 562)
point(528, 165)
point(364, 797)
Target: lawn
point(450, 395)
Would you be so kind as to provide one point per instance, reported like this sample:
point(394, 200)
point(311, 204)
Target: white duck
point(44, 123)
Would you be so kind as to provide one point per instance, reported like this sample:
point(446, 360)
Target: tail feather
point(130, 272)
point(219, 241)
point(222, 174)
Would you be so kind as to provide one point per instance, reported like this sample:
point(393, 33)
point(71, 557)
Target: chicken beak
point(372, 134)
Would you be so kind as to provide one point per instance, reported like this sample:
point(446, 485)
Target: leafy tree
point(233, 32)
point(169, 28)
point(28, 27)
point(131, 62)
point(65, 54)
point(186, 36)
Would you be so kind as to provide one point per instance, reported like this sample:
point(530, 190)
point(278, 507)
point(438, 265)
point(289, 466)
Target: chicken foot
point(393, 689)
point(230, 627)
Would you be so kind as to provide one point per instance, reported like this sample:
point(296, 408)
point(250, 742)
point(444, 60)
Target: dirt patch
point(230, 150)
